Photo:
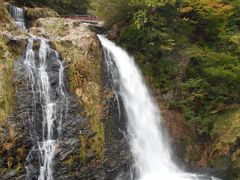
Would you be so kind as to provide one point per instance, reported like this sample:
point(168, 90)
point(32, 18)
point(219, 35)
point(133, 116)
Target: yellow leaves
point(215, 6)
point(165, 48)
point(70, 160)
point(13, 156)
point(7, 146)
point(152, 3)
point(9, 162)
point(10, 141)
point(12, 133)
point(6, 89)
point(235, 39)
point(186, 9)
point(236, 156)
point(21, 152)
point(208, 8)
point(79, 92)
point(1, 68)
point(19, 167)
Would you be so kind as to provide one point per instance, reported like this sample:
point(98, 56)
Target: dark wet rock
point(91, 142)
point(9, 174)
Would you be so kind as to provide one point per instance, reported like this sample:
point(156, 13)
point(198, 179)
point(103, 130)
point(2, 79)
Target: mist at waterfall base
point(148, 144)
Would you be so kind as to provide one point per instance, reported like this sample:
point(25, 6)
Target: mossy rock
point(32, 14)
point(226, 130)
point(6, 86)
point(225, 153)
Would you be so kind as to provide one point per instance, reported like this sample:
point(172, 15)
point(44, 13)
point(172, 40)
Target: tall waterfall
point(52, 100)
point(148, 144)
point(18, 15)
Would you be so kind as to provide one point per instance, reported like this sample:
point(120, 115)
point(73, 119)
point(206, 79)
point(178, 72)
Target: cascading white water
point(18, 15)
point(47, 146)
point(147, 141)
point(50, 106)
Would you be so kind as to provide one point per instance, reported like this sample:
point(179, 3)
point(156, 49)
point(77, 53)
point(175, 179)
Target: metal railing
point(82, 17)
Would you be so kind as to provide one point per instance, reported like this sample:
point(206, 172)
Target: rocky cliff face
point(92, 143)
point(11, 148)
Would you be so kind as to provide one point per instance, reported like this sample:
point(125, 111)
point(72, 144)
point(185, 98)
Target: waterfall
point(18, 15)
point(148, 144)
point(41, 67)
point(52, 100)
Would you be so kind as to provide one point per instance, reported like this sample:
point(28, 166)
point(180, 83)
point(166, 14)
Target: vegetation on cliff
point(61, 6)
point(5, 71)
point(88, 149)
point(12, 153)
point(189, 51)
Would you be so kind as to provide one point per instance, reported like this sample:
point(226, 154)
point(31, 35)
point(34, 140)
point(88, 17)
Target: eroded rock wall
point(92, 145)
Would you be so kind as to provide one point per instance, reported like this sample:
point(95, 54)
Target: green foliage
point(61, 6)
point(189, 47)
point(111, 11)
point(6, 86)
point(211, 82)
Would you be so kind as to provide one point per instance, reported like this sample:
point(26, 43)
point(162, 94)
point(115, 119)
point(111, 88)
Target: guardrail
point(82, 17)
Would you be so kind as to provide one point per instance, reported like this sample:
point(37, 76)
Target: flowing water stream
point(148, 143)
point(45, 72)
point(52, 100)
point(18, 15)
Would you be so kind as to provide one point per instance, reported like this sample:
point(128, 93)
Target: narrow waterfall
point(45, 72)
point(148, 144)
point(52, 100)
point(18, 15)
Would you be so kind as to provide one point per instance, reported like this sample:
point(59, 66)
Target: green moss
point(69, 162)
point(7, 93)
point(4, 16)
point(85, 81)
point(10, 158)
point(83, 148)
point(226, 128)
point(35, 13)
point(194, 153)
point(225, 153)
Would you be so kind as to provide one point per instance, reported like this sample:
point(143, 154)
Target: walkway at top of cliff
point(88, 19)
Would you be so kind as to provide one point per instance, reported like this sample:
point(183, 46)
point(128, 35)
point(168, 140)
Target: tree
point(61, 6)
point(111, 11)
